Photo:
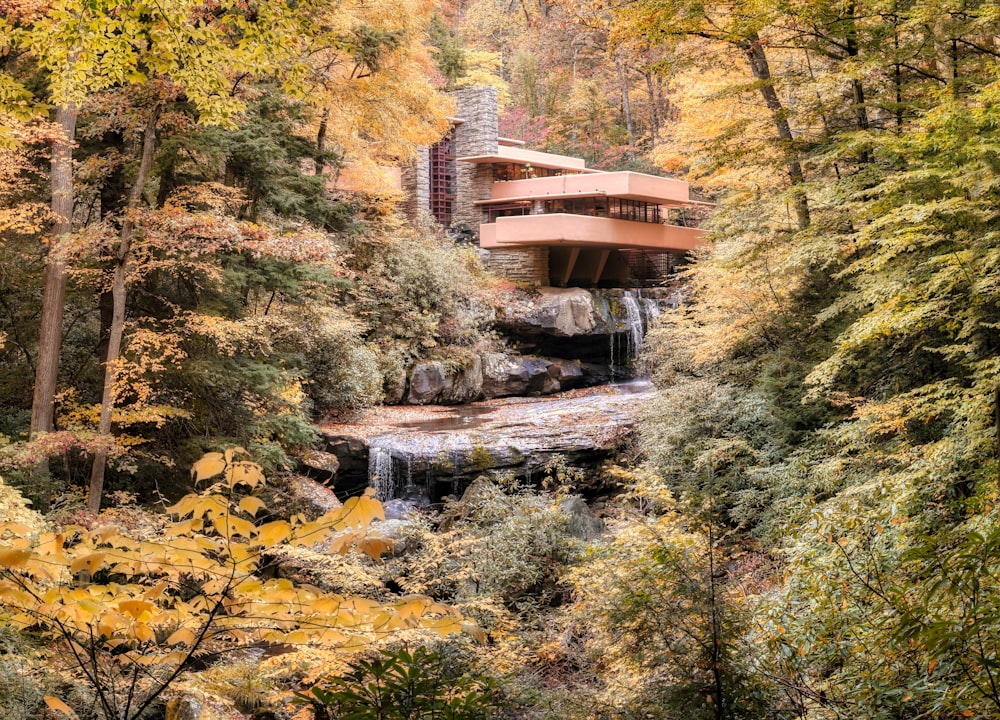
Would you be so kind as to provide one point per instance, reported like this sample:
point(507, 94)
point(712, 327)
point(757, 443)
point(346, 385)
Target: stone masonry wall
point(529, 266)
point(477, 135)
point(416, 184)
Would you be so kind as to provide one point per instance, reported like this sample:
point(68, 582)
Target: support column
point(601, 262)
point(574, 255)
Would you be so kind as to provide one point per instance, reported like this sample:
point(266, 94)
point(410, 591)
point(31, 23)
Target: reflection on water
point(462, 417)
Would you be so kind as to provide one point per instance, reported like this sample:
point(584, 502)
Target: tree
point(362, 67)
point(666, 621)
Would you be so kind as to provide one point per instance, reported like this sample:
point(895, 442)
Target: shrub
point(402, 685)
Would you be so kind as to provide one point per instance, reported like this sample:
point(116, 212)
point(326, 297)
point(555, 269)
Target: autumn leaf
point(54, 703)
point(210, 465)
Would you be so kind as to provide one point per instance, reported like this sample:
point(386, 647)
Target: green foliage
point(265, 157)
point(448, 51)
point(496, 546)
point(657, 608)
point(403, 685)
point(417, 291)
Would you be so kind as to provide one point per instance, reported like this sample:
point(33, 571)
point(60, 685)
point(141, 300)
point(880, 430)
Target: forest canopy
point(199, 253)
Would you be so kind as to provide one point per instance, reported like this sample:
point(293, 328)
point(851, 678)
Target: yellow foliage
point(14, 508)
point(149, 616)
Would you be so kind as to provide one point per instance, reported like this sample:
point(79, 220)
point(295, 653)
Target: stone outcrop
point(465, 383)
point(504, 375)
point(583, 523)
point(562, 312)
point(427, 380)
point(561, 339)
point(311, 498)
point(444, 448)
point(319, 465)
point(493, 375)
point(434, 381)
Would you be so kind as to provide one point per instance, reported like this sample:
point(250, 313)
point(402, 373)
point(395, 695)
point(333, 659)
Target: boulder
point(183, 708)
point(540, 382)
point(427, 382)
point(567, 373)
point(563, 312)
point(596, 373)
point(400, 509)
point(583, 523)
point(320, 465)
point(310, 497)
point(464, 384)
point(434, 381)
point(503, 375)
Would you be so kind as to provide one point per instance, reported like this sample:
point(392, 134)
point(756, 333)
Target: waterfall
point(652, 309)
point(408, 488)
point(639, 314)
point(380, 472)
point(633, 322)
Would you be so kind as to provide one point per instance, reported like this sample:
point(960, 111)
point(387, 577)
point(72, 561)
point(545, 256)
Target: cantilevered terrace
point(544, 218)
point(545, 200)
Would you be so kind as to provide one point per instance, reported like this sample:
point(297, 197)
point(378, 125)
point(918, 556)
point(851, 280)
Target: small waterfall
point(380, 472)
point(633, 323)
point(652, 309)
point(639, 313)
point(408, 489)
point(611, 352)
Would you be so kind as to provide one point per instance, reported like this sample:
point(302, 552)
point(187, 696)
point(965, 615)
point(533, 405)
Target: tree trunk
point(757, 58)
point(321, 142)
point(654, 110)
point(118, 312)
point(626, 103)
point(54, 294)
point(857, 89)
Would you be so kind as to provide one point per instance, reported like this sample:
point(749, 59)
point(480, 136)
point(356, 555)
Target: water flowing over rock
point(600, 327)
point(561, 338)
point(435, 450)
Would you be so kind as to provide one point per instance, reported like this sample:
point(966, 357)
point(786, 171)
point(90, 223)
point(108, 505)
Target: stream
point(424, 453)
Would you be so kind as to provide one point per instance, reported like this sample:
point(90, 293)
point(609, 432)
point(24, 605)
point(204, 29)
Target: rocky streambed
point(425, 453)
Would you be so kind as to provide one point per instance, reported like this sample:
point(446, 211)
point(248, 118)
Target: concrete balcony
point(584, 231)
point(625, 185)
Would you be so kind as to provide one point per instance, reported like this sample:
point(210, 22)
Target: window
point(442, 179)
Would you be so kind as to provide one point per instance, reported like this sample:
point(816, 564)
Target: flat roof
point(521, 156)
point(622, 184)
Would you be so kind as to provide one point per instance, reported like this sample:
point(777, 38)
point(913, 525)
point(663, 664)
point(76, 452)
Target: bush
point(402, 685)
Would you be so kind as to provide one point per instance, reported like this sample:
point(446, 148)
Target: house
point(546, 219)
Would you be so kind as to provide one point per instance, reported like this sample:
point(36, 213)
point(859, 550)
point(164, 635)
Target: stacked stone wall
point(529, 266)
point(478, 134)
point(416, 184)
